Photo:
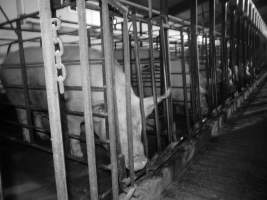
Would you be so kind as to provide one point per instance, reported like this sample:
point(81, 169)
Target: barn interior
point(69, 132)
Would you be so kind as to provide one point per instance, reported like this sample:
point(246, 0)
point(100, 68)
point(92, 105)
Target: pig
point(11, 74)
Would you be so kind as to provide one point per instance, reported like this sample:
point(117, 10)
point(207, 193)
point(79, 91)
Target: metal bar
point(232, 42)
point(194, 63)
point(6, 17)
point(224, 50)
point(127, 68)
point(212, 53)
point(140, 84)
point(187, 115)
point(165, 66)
point(153, 78)
point(19, 18)
point(87, 99)
point(109, 69)
point(52, 99)
point(24, 78)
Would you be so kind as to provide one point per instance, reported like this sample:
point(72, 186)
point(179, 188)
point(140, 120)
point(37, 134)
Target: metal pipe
point(165, 70)
point(225, 78)
point(87, 99)
point(152, 72)
point(19, 18)
point(52, 99)
point(140, 84)
point(194, 63)
point(187, 115)
point(212, 53)
point(24, 78)
point(6, 17)
point(127, 69)
point(109, 71)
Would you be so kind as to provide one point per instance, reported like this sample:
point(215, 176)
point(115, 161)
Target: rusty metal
point(127, 68)
point(87, 101)
point(109, 73)
point(52, 99)
point(140, 83)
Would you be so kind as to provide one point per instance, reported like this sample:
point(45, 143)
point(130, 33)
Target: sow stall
point(157, 53)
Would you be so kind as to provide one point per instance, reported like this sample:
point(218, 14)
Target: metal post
point(212, 53)
point(87, 99)
point(127, 68)
point(109, 70)
point(153, 79)
point(194, 63)
point(140, 83)
point(224, 50)
point(232, 42)
point(24, 79)
point(52, 99)
point(187, 115)
point(165, 65)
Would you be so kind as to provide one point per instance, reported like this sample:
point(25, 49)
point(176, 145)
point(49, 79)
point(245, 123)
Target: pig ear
point(149, 103)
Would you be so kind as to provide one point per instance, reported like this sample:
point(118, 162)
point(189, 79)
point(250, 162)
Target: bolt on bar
point(52, 99)
point(127, 68)
point(87, 101)
point(109, 69)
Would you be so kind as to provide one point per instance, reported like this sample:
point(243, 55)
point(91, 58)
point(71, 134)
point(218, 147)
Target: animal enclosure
point(132, 85)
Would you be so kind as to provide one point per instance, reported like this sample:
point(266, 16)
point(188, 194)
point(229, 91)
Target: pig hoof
point(139, 163)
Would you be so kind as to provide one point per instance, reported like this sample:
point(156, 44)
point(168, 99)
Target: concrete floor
point(233, 166)
point(28, 174)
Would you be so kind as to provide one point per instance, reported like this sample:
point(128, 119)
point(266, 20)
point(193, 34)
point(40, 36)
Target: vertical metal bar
point(165, 64)
point(232, 42)
point(153, 79)
point(187, 115)
point(87, 100)
point(127, 68)
point(212, 52)
point(110, 70)
point(194, 63)
point(224, 50)
point(24, 79)
point(52, 99)
point(140, 83)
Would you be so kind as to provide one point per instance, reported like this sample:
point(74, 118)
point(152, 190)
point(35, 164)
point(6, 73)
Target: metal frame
point(248, 43)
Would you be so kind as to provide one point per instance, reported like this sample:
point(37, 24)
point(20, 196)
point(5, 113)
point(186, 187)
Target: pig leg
point(74, 129)
point(22, 118)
